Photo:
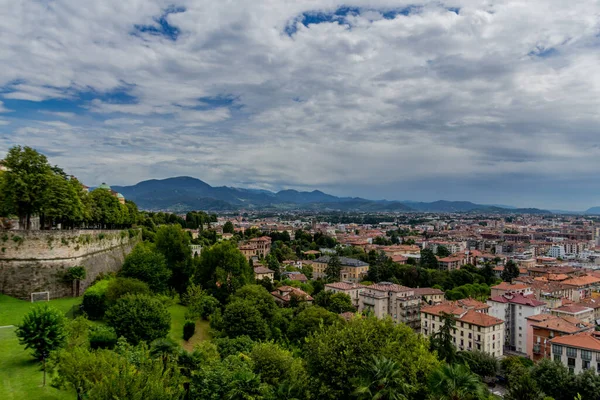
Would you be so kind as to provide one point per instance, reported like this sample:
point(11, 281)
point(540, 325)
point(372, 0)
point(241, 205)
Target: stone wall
point(36, 261)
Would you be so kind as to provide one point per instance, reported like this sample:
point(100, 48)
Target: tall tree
point(441, 341)
point(382, 379)
point(228, 227)
point(25, 183)
point(510, 272)
point(442, 251)
point(148, 265)
point(174, 243)
point(333, 269)
point(43, 331)
point(428, 259)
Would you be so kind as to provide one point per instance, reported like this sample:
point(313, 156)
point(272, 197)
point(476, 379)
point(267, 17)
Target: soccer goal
point(40, 296)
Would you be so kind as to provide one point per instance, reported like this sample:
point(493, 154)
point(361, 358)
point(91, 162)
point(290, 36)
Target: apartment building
point(506, 287)
point(585, 314)
point(513, 309)
point(473, 330)
point(542, 328)
point(352, 270)
point(353, 290)
point(399, 302)
point(429, 295)
point(577, 352)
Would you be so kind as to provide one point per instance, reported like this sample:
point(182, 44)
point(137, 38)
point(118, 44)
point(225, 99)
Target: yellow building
point(352, 270)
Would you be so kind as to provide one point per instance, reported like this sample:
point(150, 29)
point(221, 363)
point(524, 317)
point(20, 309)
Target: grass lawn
point(21, 377)
point(178, 319)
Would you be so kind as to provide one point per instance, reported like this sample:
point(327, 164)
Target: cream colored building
point(352, 270)
point(385, 298)
point(474, 329)
point(353, 290)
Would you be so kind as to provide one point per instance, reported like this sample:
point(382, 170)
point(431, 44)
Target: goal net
point(40, 296)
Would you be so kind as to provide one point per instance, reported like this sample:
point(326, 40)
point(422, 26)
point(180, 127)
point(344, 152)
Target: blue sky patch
point(162, 26)
point(543, 52)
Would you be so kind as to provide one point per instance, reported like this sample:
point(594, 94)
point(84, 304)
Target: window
point(586, 355)
point(557, 349)
point(558, 358)
point(585, 364)
point(571, 362)
point(462, 333)
point(571, 352)
point(479, 338)
point(598, 368)
point(469, 335)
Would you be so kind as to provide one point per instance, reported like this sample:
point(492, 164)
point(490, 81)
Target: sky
point(495, 102)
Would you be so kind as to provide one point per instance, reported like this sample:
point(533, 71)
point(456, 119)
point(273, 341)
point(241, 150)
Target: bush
point(148, 265)
point(102, 337)
point(119, 287)
point(202, 307)
point(94, 300)
point(139, 318)
point(189, 328)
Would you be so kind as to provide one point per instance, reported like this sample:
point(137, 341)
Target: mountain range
point(186, 193)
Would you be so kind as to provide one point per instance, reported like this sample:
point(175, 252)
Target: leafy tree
point(442, 251)
point(441, 341)
point(147, 265)
point(510, 272)
point(242, 318)
point(189, 328)
point(174, 244)
point(106, 210)
point(331, 355)
point(335, 302)
point(228, 227)
point(311, 320)
point(223, 269)
point(428, 259)
point(333, 269)
point(119, 287)
point(25, 184)
point(94, 300)
point(139, 317)
point(102, 337)
point(587, 385)
point(480, 363)
point(259, 298)
point(76, 275)
point(382, 379)
point(554, 379)
point(43, 331)
point(455, 382)
point(521, 386)
point(165, 349)
point(271, 362)
point(234, 346)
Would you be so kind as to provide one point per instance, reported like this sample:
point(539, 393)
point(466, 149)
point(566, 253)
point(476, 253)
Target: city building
point(429, 295)
point(513, 309)
point(285, 295)
point(582, 313)
point(388, 299)
point(542, 328)
point(352, 270)
point(261, 272)
point(577, 352)
point(351, 289)
point(473, 330)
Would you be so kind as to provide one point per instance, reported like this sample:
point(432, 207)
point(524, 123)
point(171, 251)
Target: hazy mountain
point(593, 210)
point(185, 193)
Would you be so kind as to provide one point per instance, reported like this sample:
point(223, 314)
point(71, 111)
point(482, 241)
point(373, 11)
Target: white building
point(556, 251)
point(513, 309)
point(577, 352)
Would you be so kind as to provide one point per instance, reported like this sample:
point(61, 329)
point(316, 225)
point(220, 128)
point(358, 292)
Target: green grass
point(20, 374)
point(178, 319)
point(21, 377)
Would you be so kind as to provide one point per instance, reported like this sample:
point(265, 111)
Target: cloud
point(3, 109)
point(379, 98)
point(59, 114)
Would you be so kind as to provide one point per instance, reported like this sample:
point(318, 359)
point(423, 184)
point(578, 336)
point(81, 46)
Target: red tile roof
point(518, 298)
point(583, 340)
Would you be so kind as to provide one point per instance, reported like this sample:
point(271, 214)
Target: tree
point(139, 317)
point(174, 244)
point(521, 386)
point(43, 331)
point(333, 269)
point(382, 380)
point(228, 227)
point(272, 362)
point(428, 259)
point(335, 302)
point(331, 355)
point(76, 275)
point(242, 318)
point(25, 183)
point(105, 209)
point(310, 320)
point(442, 251)
point(223, 269)
point(441, 341)
point(259, 297)
point(147, 265)
point(554, 379)
point(120, 287)
point(510, 272)
point(480, 363)
point(455, 382)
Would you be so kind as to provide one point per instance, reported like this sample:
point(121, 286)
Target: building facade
point(352, 270)
point(388, 299)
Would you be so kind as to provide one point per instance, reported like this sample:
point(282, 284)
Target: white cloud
point(60, 114)
point(503, 88)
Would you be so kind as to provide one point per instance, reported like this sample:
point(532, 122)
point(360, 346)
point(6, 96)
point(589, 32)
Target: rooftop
point(583, 340)
point(345, 261)
point(518, 298)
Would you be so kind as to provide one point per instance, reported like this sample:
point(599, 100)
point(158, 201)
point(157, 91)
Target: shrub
point(102, 337)
point(189, 328)
point(139, 318)
point(202, 307)
point(119, 287)
point(148, 265)
point(94, 300)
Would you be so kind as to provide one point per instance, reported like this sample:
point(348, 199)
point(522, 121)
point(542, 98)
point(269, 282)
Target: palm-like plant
point(455, 382)
point(165, 348)
point(382, 380)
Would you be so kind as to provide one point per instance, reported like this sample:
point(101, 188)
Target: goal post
point(40, 296)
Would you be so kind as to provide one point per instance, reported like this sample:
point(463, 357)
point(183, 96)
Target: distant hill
point(185, 193)
point(592, 211)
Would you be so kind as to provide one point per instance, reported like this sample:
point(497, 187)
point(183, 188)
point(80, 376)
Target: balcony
point(537, 348)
